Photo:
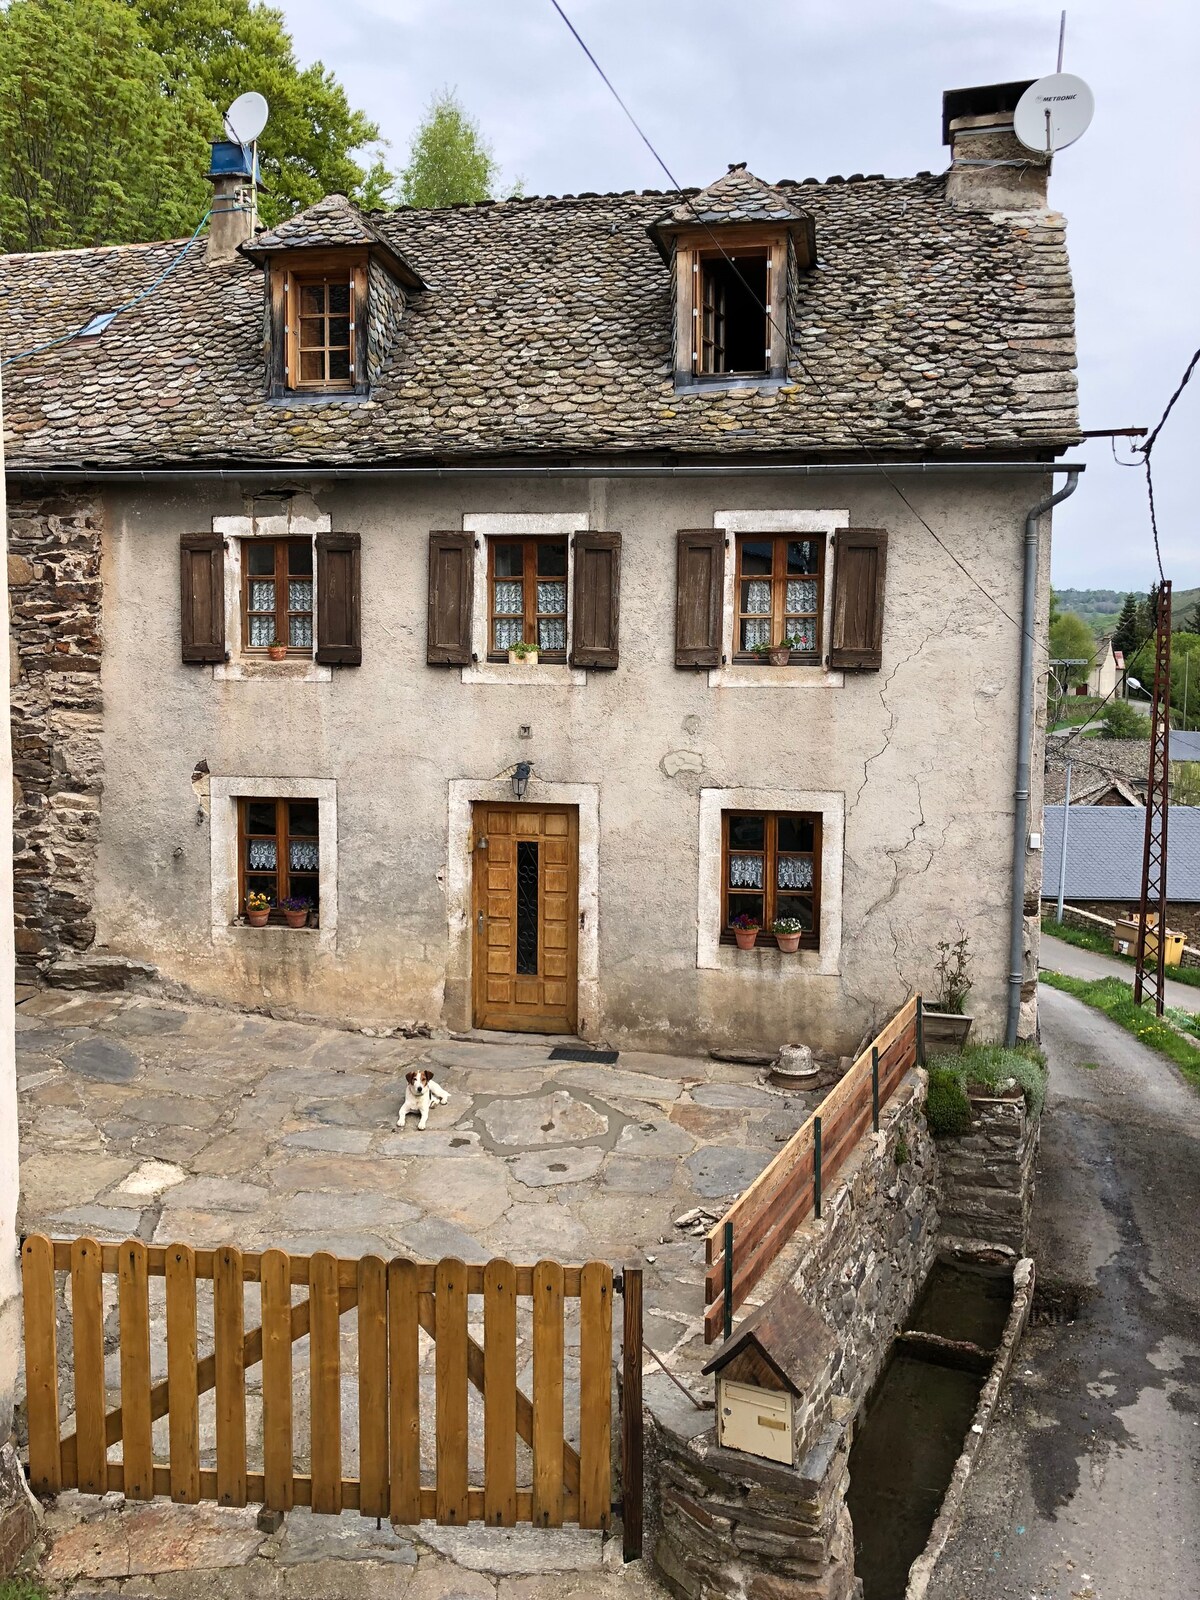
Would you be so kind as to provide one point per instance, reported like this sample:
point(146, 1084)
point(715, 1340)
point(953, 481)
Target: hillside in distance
point(1100, 608)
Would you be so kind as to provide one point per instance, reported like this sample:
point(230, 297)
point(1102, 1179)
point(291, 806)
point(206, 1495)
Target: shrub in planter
point(258, 909)
point(522, 654)
point(295, 908)
point(745, 930)
point(787, 931)
point(947, 1108)
point(946, 1022)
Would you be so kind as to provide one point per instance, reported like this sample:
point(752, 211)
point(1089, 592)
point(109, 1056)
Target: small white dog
point(421, 1093)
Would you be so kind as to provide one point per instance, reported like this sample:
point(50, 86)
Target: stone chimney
point(232, 176)
point(990, 169)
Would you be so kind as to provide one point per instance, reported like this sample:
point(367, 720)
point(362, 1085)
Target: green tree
point(1185, 680)
point(1122, 721)
point(1125, 634)
point(91, 152)
point(213, 50)
point(1071, 640)
point(450, 162)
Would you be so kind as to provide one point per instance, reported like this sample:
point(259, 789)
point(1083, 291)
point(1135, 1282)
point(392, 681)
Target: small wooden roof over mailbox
point(784, 1346)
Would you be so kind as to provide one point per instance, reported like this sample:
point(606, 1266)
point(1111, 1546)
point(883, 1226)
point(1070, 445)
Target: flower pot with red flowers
point(296, 910)
point(787, 931)
point(258, 909)
point(277, 650)
point(745, 930)
point(777, 654)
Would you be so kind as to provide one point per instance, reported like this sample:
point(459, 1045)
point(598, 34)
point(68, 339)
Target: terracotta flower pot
point(296, 919)
point(745, 937)
point(780, 656)
point(789, 943)
point(257, 919)
point(277, 652)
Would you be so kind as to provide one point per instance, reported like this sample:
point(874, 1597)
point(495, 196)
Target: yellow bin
point(1125, 941)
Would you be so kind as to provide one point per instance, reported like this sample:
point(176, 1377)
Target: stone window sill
point(545, 673)
point(294, 669)
point(749, 675)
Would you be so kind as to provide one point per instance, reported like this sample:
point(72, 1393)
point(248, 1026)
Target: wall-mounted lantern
point(520, 779)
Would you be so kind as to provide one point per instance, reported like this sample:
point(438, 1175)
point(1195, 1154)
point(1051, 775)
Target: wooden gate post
point(631, 1416)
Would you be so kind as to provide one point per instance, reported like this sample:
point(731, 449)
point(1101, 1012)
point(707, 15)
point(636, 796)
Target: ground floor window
point(771, 871)
point(279, 856)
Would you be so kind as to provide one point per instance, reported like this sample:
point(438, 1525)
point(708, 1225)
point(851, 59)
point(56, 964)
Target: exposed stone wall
point(1183, 916)
point(55, 650)
point(987, 1175)
point(1091, 922)
point(726, 1524)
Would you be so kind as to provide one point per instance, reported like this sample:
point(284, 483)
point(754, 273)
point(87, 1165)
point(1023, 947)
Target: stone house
point(653, 435)
point(1107, 671)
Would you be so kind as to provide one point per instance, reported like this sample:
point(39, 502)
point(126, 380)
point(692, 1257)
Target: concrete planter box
point(945, 1031)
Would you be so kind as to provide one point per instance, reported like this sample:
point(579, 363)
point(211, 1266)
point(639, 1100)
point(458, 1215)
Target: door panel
point(525, 907)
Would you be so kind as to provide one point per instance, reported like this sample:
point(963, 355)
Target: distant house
point(1107, 669)
point(1185, 745)
point(1104, 772)
point(1104, 861)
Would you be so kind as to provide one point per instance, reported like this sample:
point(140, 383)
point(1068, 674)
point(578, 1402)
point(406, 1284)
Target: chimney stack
point(990, 169)
point(233, 176)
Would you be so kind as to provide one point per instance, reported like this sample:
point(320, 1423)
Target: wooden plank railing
point(394, 1301)
point(748, 1238)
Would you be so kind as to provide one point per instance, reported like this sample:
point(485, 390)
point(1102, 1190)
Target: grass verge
point(21, 1589)
point(980, 1066)
point(1114, 998)
point(1085, 939)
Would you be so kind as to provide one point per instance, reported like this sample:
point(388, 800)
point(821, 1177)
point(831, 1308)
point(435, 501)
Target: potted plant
point(945, 1021)
point(777, 654)
point(787, 931)
point(295, 908)
point(277, 650)
point(258, 909)
point(745, 930)
point(523, 655)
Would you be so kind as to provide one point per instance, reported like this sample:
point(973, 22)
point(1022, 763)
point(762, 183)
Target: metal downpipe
point(1016, 936)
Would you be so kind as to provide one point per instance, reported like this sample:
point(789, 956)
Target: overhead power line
point(1149, 446)
point(761, 306)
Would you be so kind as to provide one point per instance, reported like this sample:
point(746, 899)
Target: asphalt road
point(1088, 1485)
point(1058, 956)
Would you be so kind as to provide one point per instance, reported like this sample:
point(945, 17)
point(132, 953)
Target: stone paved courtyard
point(171, 1122)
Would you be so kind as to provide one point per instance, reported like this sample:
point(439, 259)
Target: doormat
point(571, 1052)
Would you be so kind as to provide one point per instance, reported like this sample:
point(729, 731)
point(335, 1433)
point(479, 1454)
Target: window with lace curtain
point(780, 581)
point(527, 597)
point(277, 595)
point(771, 869)
point(279, 853)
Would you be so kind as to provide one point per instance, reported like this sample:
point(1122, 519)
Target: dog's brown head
point(419, 1079)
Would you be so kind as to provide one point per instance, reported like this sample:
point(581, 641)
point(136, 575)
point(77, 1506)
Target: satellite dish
point(246, 118)
point(1053, 112)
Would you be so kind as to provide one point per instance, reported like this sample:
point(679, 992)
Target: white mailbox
point(764, 1372)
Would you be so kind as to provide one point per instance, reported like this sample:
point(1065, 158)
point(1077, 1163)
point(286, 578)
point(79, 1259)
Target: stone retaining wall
point(1092, 922)
point(987, 1176)
point(724, 1525)
point(54, 669)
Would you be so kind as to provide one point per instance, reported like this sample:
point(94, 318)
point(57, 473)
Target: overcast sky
point(801, 88)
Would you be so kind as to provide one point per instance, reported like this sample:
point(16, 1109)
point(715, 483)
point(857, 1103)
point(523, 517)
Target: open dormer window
point(734, 331)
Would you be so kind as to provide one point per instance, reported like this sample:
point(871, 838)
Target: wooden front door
point(525, 909)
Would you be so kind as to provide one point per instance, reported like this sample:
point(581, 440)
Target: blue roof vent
point(233, 160)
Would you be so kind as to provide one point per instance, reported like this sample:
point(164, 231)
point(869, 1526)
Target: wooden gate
point(527, 1469)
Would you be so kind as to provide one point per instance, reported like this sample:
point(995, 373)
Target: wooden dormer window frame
point(319, 322)
point(699, 338)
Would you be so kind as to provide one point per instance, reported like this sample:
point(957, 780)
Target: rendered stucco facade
point(912, 766)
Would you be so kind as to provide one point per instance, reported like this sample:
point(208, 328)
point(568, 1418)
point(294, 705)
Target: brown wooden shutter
point(699, 597)
point(596, 607)
point(339, 603)
point(860, 565)
point(451, 587)
point(202, 596)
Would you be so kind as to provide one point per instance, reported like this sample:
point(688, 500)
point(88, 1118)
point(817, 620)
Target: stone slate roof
point(1096, 761)
point(331, 221)
point(738, 197)
point(546, 328)
point(1104, 852)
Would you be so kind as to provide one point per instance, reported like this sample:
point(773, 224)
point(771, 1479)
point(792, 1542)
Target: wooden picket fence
point(392, 1301)
point(740, 1248)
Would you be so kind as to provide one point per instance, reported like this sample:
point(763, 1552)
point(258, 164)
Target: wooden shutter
point(339, 604)
point(202, 596)
point(451, 587)
point(860, 565)
point(595, 613)
point(699, 597)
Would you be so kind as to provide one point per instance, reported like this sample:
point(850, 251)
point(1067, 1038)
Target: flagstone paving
point(162, 1121)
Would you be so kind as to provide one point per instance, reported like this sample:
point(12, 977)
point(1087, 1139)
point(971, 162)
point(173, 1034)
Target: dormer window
point(321, 330)
point(734, 333)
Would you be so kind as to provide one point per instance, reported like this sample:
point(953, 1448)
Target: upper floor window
point(780, 584)
point(770, 872)
point(277, 594)
point(321, 331)
point(735, 333)
point(527, 590)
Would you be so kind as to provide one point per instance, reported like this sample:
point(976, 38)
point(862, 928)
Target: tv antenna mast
point(1056, 110)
